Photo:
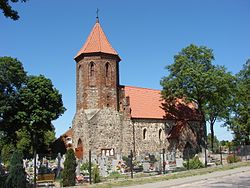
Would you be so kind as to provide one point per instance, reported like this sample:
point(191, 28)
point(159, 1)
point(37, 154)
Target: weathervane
point(97, 17)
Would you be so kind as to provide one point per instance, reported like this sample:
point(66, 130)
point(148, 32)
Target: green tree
point(239, 120)
point(188, 77)
point(68, 174)
point(28, 105)
point(16, 177)
point(7, 9)
point(195, 79)
point(220, 101)
point(12, 79)
point(40, 103)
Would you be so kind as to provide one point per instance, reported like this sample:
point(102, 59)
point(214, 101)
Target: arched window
point(79, 74)
point(160, 134)
point(144, 134)
point(107, 69)
point(92, 72)
point(79, 81)
point(108, 74)
point(91, 69)
point(79, 143)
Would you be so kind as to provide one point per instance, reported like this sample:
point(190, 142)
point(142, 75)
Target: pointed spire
point(97, 41)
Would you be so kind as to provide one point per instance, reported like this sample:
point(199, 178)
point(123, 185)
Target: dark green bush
point(69, 171)
point(193, 163)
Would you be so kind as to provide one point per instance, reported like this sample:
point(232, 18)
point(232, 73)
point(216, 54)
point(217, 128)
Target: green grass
point(151, 179)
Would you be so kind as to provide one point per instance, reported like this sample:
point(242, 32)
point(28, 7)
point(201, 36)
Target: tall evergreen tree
point(16, 177)
point(69, 171)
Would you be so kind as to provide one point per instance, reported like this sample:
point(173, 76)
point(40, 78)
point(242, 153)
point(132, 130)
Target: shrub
point(16, 177)
point(115, 175)
point(96, 174)
point(68, 174)
point(126, 159)
point(193, 163)
point(232, 159)
point(85, 167)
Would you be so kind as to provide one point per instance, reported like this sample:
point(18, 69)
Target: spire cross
point(97, 17)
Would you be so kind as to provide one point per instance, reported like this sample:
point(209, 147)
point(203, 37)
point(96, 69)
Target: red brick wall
point(95, 86)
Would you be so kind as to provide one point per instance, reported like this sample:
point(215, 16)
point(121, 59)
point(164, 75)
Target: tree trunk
point(212, 136)
point(212, 121)
point(205, 136)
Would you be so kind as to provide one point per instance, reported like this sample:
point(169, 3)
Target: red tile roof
point(145, 103)
point(97, 42)
point(68, 133)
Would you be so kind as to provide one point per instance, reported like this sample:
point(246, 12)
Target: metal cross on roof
point(97, 17)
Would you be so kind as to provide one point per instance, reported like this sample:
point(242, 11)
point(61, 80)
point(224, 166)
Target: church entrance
point(79, 149)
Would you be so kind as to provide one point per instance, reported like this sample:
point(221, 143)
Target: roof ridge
point(99, 36)
point(142, 88)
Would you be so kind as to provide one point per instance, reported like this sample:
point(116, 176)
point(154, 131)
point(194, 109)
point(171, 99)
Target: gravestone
point(103, 166)
point(146, 166)
point(179, 162)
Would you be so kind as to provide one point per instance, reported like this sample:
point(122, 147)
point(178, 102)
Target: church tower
point(97, 73)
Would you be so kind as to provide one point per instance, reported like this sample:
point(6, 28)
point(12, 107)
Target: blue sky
point(146, 34)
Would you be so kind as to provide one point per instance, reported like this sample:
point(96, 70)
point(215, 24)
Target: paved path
point(238, 177)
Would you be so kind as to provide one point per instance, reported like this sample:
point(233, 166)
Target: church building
point(112, 119)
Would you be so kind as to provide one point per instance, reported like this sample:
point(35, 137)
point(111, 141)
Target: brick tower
point(97, 72)
point(97, 124)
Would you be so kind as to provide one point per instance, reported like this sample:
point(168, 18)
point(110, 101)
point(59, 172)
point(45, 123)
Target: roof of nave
point(148, 104)
point(145, 103)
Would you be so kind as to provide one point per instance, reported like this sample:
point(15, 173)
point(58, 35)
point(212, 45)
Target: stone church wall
point(80, 127)
point(150, 135)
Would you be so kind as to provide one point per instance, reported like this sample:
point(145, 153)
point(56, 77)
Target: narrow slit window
point(107, 69)
point(160, 134)
point(144, 136)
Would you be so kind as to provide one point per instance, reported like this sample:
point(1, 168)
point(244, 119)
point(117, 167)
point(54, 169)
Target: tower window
point(160, 134)
point(108, 74)
point(92, 79)
point(144, 134)
point(107, 69)
point(92, 69)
